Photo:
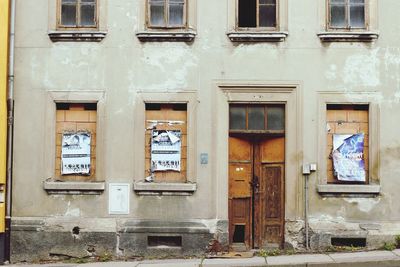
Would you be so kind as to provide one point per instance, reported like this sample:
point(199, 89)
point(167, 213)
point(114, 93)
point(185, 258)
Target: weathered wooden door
point(256, 191)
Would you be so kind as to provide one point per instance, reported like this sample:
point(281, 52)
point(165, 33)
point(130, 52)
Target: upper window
point(77, 14)
point(347, 14)
point(257, 14)
point(167, 13)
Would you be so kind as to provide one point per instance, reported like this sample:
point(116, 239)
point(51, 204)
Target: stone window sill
point(77, 36)
point(74, 188)
point(247, 36)
point(348, 190)
point(174, 189)
point(167, 36)
point(348, 36)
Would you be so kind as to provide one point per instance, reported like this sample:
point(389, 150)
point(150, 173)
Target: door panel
point(240, 195)
point(272, 205)
point(273, 150)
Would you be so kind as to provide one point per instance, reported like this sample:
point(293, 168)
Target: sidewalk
point(356, 259)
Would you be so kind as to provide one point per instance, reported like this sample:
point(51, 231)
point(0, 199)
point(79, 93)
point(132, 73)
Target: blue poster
point(348, 157)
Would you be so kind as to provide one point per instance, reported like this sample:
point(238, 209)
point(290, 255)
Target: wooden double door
point(256, 191)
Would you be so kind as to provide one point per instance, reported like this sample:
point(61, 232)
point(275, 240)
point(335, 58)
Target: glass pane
point(271, 2)
point(275, 118)
point(357, 1)
point(247, 13)
point(237, 118)
point(88, 1)
point(68, 15)
point(338, 16)
point(256, 118)
point(176, 14)
point(88, 15)
point(357, 16)
point(342, 2)
point(267, 16)
point(68, 1)
point(157, 13)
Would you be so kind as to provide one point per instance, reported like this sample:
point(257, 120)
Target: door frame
point(258, 92)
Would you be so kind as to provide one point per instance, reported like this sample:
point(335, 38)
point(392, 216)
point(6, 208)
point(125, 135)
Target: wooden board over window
point(166, 117)
point(346, 119)
point(76, 118)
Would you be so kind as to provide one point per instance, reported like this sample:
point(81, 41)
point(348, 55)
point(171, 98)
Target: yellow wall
point(4, 17)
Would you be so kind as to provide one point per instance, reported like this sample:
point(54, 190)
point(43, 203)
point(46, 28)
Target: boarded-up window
point(167, 121)
point(347, 14)
point(257, 13)
point(346, 120)
point(167, 13)
point(79, 120)
point(77, 13)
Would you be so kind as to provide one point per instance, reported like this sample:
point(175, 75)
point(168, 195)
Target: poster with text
point(75, 153)
point(348, 157)
point(166, 150)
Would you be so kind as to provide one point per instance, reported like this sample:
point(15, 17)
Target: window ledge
point(77, 36)
point(348, 36)
point(178, 189)
point(74, 188)
point(330, 189)
point(257, 36)
point(160, 36)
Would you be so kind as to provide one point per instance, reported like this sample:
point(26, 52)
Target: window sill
point(74, 188)
point(348, 36)
point(167, 36)
point(77, 36)
point(172, 189)
point(348, 190)
point(246, 36)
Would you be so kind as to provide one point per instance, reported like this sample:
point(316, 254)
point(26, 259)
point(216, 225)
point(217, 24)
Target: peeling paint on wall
point(362, 70)
point(364, 204)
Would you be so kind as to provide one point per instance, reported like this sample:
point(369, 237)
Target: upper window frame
point(258, 28)
point(60, 26)
point(329, 27)
point(166, 16)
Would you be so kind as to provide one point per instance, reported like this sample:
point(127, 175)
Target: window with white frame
point(257, 14)
point(167, 13)
point(347, 14)
point(77, 14)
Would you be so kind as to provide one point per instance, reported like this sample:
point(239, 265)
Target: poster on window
point(166, 150)
point(75, 153)
point(348, 157)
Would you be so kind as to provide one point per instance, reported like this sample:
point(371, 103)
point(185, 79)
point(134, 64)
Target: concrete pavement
point(355, 259)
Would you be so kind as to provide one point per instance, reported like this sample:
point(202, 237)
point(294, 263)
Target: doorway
point(256, 176)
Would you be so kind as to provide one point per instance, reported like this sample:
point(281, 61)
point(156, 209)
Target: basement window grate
point(348, 242)
point(164, 241)
point(239, 233)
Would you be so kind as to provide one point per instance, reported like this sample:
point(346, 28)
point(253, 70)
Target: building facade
point(161, 127)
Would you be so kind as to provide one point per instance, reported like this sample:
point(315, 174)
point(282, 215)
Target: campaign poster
point(348, 157)
point(166, 150)
point(75, 153)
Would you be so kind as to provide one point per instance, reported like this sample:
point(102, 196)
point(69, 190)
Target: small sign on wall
point(118, 198)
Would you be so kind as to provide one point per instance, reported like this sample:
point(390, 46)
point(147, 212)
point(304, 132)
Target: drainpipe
point(10, 128)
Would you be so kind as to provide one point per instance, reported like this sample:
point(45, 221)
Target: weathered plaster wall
point(121, 66)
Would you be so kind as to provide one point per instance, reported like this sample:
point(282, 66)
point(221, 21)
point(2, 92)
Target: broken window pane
point(88, 15)
point(68, 13)
point(176, 11)
point(256, 118)
point(357, 16)
point(237, 118)
point(267, 13)
point(157, 13)
point(275, 118)
point(247, 10)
